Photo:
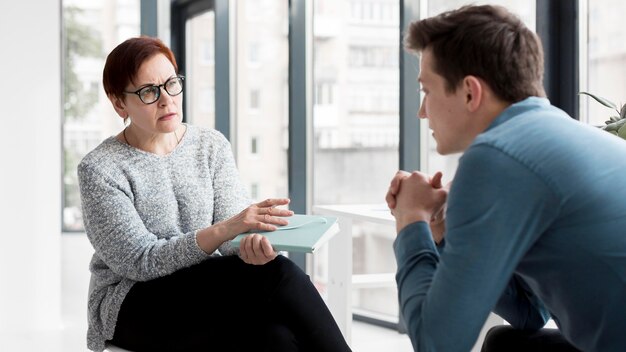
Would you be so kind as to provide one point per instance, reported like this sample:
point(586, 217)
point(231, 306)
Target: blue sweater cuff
point(413, 238)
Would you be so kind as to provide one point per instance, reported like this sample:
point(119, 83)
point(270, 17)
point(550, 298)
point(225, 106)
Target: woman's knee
point(287, 268)
point(278, 337)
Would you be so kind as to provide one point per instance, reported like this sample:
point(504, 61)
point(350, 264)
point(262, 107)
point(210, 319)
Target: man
point(535, 220)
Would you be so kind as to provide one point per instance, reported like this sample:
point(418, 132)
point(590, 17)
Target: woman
point(161, 200)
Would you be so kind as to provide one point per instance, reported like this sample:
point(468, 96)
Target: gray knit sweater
point(142, 211)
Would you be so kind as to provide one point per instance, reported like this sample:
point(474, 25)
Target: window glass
point(262, 69)
point(606, 59)
point(91, 29)
point(355, 138)
point(200, 70)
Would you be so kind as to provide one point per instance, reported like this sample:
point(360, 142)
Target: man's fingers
point(394, 187)
point(391, 200)
point(435, 181)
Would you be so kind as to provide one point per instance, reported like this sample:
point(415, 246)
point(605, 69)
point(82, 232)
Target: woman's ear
point(120, 106)
point(474, 92)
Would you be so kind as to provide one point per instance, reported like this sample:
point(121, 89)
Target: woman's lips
point(167, 117)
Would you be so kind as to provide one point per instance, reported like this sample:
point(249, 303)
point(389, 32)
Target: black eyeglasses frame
point(158, 89)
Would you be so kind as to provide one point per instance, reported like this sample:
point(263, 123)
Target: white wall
point(30, 165)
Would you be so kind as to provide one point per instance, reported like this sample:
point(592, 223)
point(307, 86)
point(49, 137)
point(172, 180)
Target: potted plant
point(615, 124)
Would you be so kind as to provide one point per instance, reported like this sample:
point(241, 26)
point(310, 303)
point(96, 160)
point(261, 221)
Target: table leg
point(340, 277)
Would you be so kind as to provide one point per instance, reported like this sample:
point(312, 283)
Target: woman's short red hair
point(123, 63)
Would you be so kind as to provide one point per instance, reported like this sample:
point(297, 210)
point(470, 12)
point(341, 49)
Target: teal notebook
point(304, 233)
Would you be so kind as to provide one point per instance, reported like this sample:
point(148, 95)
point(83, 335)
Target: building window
point(207, 51)
point(324, 93)
point(254, 191)
point(255, 99)
point(373, 56)
point(206, 100)
point(254, 54)
point(254, 146)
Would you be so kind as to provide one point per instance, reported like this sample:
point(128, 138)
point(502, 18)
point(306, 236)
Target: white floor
point(71, 337)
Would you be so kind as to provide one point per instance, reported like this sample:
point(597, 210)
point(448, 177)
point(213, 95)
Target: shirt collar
point(517, 109)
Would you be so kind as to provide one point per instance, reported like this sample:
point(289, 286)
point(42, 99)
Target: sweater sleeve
point(230, 194)
point(119, 236)
point(497, 209)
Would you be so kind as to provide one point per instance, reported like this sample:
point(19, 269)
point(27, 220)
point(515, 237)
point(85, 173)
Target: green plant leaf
point(622, 112)
point(614, 126)
point(622, 132)
point(607, 103)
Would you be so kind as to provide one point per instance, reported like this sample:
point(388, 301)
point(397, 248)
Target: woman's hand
point(263, 216)
point(256, 249)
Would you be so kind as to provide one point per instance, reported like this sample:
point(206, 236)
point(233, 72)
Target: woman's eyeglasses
point(150, 94)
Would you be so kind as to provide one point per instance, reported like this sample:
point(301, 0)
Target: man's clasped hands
point(415, 196)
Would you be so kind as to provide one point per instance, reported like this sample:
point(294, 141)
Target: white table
point(340, 256)
point(340, 262)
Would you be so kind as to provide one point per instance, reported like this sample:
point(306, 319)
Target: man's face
point(446, 112)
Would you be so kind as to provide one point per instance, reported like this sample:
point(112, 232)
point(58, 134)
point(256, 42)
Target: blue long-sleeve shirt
point(536, 228)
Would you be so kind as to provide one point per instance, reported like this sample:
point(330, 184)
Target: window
point(262, 161)
point(255, 99)
point(254, 54)
point(254, 191)
point(206, 100)
point(207, 50)
point(254, 145)
point(324, 93)
point(355, 127)
point(373, 56)
point(91, 30)
point(200, 70)
point(606, 60)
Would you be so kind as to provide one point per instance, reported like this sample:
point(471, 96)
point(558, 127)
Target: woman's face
point(162, 116)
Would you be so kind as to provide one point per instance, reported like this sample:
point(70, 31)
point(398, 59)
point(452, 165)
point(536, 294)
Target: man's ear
point(119, 105)
point(474, 92)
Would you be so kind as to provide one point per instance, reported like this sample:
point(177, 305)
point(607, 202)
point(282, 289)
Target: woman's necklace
point(127, 142)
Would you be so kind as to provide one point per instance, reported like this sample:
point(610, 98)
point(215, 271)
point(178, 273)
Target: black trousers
point(224, 304)
point(504, 338)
